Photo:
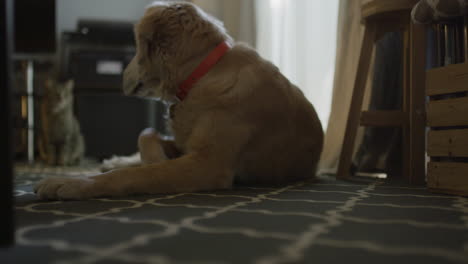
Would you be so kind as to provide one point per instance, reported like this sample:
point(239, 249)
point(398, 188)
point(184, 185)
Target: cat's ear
point(49, 83)
point(70, 84)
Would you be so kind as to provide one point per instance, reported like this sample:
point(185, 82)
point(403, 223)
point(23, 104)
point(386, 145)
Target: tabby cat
point(61, 141)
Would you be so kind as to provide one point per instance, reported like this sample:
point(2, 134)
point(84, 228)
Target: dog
point(235, 118)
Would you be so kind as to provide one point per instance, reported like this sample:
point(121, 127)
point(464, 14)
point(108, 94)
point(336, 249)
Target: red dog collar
point(202, 69)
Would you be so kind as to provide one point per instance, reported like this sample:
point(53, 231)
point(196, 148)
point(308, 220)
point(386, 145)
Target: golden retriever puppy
point(235, 117)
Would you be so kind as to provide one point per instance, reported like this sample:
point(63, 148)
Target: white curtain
point(299, 36)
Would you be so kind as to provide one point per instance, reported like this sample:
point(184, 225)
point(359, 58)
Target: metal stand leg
point(152, 110)
point(30, 96)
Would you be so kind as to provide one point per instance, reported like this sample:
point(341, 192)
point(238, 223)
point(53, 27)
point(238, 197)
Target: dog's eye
point(150, 49)
point(138, 87)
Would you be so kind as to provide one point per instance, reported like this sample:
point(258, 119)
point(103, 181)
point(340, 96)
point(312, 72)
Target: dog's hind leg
point(116, 162)
point(153, 149)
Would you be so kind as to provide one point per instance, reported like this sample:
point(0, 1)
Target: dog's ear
point(152, 44)
point(155, 38)
point(196, 21)
point(160, 29)
point(184, 13)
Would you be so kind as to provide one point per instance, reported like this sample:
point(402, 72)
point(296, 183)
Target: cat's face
point(59, 94)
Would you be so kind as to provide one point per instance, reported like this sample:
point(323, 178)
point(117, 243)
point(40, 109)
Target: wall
point(70, 11)
point(238, 15)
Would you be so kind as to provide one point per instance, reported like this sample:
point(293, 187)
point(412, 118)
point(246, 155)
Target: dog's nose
point(131, 87)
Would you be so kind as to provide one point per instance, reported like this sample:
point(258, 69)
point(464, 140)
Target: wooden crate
point(447, 140)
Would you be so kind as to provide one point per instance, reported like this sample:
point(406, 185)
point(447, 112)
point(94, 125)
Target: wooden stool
point(380, 17)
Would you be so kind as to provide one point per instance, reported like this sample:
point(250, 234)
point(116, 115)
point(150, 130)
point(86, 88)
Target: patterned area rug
point(328, 221)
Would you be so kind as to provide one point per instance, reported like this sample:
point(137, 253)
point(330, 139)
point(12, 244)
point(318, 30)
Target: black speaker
point(111, 123)
point(34, 26)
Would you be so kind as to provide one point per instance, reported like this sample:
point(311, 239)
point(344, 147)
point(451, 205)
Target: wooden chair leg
point(356, 101)
point(406, 105)
point(417, 118)
point(413, 150)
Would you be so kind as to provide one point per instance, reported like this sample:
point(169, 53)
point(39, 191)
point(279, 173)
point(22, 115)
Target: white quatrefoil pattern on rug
point(326, 221)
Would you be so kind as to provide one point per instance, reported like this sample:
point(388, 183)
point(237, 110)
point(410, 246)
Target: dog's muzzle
point(138, 88)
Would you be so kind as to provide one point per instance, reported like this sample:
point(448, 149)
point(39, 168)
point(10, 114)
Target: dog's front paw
point(63, 188)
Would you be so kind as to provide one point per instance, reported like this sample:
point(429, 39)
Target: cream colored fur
point(242, 121)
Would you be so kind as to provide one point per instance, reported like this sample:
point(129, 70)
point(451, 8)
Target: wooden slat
point(465, 36)
point(383, 118)
point(417, 104)
point(377, 8)
point(447, 143)
point(448, 112)
point(449, 79)
point(406, 105)
point(448, 177)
